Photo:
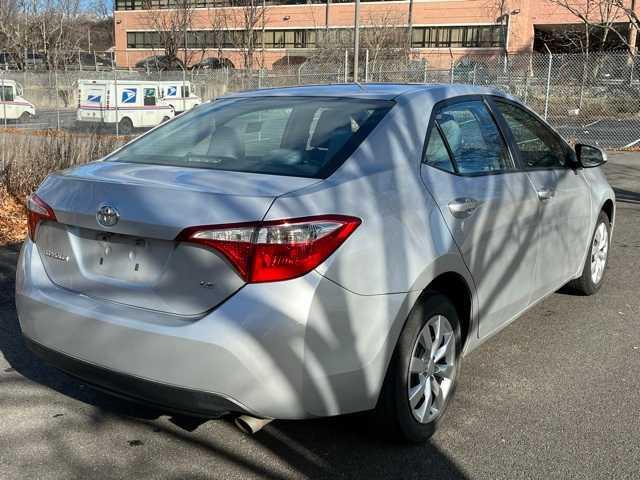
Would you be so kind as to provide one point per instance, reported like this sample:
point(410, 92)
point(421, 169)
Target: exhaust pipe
point(251, 425)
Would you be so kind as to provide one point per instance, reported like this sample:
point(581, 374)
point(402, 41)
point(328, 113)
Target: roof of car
point(380, 91)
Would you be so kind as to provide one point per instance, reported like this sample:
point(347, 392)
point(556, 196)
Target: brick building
point(292, 29)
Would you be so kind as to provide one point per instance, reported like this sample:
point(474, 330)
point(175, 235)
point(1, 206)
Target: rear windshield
point(306, 137)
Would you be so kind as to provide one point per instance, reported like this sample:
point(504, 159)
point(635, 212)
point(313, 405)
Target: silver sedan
point(313, 251)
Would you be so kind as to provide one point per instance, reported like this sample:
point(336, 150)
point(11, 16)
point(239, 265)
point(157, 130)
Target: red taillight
point(275, 250)
point(37, 211)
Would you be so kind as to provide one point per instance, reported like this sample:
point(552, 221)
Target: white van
point(13, 106)
point(135, 105)
point(179, 95)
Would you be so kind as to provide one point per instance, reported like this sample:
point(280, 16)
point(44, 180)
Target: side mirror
point(590, 156)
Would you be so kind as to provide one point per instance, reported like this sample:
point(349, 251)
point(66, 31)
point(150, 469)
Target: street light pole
point(184, 69)
point(356, 40)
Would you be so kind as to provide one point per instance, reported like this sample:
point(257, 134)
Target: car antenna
point(359, 85)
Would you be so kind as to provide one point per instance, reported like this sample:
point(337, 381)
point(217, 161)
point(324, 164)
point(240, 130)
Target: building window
point(485, 36)
point(143, 40)
point(229, 39)
point(158, 4)
point(488, 36)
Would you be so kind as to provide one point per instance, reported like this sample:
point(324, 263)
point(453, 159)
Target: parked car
point(213, 63)
point(35, 61)
point(89, 60)
point(160, 63)
point(312, 251)
point(128, 103)
point(7, 62)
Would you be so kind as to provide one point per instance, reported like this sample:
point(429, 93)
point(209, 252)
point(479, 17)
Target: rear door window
point(437, 154)
point(297, 136)
point(472, 138)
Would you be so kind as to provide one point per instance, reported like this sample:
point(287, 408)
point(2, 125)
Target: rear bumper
point(290, 350)
point(165, 397)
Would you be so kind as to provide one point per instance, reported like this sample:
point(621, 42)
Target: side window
point(6, 93)
point(539, 147)
point(436, 154)
point(149, 96)
point(185, 91)
point(473, 138)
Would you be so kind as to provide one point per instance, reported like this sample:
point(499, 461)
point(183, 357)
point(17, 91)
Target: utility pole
point(356, 39)
point(633, 33)
point(410, 25)
point(184, 67)
point(264, 21)
point(326, 14)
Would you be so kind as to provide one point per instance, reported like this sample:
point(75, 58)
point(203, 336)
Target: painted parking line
point(591, 124)
point(635, 142)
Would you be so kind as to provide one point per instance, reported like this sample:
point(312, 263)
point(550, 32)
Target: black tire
point(585, 284)
point(165, 119)
point(393, 414)
point(25, 117)
point(125, 127)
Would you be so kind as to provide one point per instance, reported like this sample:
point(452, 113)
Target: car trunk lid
point(137, 261)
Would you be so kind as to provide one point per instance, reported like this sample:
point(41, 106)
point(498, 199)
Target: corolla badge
point(56, 255)
point(107, 216)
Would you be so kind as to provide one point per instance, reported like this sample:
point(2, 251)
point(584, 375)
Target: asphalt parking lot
point(46, 119)
point(607, 132)
point(554, 395)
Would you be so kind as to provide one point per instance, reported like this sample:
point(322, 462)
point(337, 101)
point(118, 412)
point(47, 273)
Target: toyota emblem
point(107, 216)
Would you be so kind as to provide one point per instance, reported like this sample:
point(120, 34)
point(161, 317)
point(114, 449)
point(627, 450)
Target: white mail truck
point(13, 105)
point(179, 95)
point(130, 104)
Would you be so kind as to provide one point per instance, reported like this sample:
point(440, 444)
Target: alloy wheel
point(431, 369)
point(599, 251)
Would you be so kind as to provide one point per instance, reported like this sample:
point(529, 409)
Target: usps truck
point(128, 103)
point(13, 106)
point(179, 95)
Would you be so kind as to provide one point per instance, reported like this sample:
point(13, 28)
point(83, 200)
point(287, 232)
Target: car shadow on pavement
point(345, 446)
point(626, 196)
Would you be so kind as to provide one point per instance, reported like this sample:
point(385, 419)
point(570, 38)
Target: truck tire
point(125, 126)
point(25, 117)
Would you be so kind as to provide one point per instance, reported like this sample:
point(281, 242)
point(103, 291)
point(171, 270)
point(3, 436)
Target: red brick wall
point(426, 12)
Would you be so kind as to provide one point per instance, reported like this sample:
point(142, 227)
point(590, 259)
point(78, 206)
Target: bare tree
point(171, 29)
point(383, 39)
point(599, 19)
point(15, 29)
point(100, 28)
point(55, 29)
point(629, 7)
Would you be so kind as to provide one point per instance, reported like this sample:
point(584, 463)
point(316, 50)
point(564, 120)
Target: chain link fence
point(589, 98)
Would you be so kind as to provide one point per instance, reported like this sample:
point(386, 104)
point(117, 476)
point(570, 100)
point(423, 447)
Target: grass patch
point(29, 158)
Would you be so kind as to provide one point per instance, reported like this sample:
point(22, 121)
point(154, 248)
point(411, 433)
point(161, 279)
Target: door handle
point(463, 207)
point(545, 194)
